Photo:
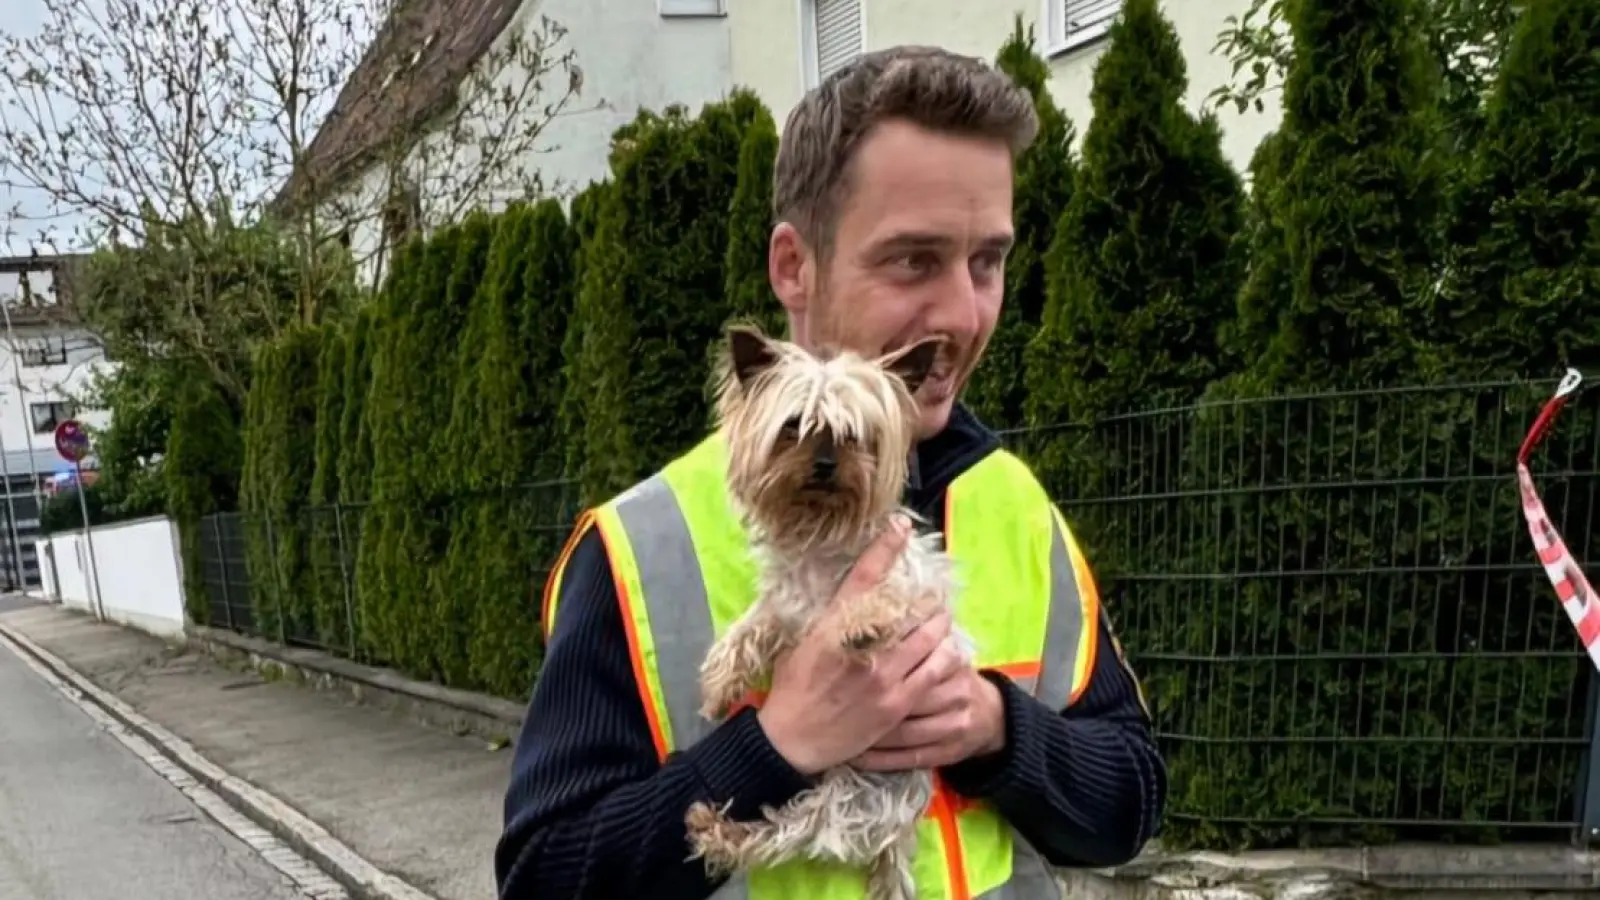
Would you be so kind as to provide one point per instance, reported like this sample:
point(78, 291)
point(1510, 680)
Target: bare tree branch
point(172, 125)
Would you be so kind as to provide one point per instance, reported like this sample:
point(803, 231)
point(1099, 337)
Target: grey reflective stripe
point(674, 599)
point(679, 609)
point(1031, 878)
point(1063, 625)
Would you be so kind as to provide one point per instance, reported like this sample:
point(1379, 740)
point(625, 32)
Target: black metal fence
point(1333, 603)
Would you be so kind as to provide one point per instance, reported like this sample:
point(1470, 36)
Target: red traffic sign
point(72, 442)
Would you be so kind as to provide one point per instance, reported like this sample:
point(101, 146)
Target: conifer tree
point(403, 418)
point(997, 392)
point(1343, 222)
point(1523, 298)
point(355, 442)
point(1142, 270)
point(653, 293)
point(748, 290)
point(1357, 200)
point(201, 469)
point(587, 209)
point(515, 532)
point(487, 449)
point(327, 577)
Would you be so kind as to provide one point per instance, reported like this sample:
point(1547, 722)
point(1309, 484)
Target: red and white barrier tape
point(1577, 597)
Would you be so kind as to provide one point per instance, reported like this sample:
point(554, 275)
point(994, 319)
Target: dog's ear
point(913, 364)
point(751, 353)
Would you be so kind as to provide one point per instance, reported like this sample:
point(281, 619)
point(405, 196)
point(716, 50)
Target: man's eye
point(989, 262)
point(917, 262)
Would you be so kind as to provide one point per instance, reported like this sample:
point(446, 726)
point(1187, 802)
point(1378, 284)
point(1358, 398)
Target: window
point(402, 214)
point(43, 353)
point(46, 416)
point(832, 34)
point(692, 7)
point(1074, 23)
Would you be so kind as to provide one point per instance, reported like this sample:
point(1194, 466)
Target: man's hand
point(961, 715)
point(824, 707)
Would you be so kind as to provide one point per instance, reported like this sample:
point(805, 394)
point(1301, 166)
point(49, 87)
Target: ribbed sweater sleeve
point(1086, 786)
point(591, 812)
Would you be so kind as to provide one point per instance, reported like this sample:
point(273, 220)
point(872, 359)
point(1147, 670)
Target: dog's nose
point(823, 467)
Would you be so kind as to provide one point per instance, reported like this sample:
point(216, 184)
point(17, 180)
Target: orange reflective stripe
point(942, 808)
point(1089, 633)
point(752, 699)
point(1017, 670)
point(552, 582)
point(640, 677)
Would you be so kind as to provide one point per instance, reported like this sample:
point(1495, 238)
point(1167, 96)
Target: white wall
point(767, 51)
point(632, 58)
point(141, 583)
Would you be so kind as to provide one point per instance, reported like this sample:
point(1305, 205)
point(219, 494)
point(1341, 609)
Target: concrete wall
point(140, 577)
point(632, 57)
point(767, 41)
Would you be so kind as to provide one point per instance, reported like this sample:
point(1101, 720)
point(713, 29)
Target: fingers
point(947, 695)
point(931, 728)
point(927, 756)
point(901, 659)
point(875, 563)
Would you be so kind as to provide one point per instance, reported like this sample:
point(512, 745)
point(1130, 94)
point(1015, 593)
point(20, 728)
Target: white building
point(782, 47)
point(648, 54)
point(424, 71)
point(47, 362)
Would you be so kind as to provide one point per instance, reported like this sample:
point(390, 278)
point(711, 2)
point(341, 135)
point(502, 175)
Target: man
point(893, 196)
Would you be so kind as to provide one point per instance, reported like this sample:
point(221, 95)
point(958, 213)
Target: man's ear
point(750, 352)
point(913, 364)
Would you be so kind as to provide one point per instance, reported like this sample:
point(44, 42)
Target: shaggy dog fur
point(818, 450)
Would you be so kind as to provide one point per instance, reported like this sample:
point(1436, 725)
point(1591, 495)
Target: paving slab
point(421, 804)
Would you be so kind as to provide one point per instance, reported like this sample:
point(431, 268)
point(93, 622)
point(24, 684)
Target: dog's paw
point(701, 819)
point(864, 637)
point(713, 838)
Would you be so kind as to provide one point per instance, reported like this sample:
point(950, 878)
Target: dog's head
point(818, 444)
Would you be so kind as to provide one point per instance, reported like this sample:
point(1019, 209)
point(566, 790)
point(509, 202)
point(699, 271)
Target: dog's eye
point(791, 428)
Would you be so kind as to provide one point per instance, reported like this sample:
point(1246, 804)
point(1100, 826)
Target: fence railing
point(1332, 601)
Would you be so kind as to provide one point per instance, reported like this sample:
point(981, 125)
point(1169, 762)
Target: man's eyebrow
point(928, 240)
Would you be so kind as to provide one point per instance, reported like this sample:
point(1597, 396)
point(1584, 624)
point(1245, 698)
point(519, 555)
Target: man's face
point(919, 250)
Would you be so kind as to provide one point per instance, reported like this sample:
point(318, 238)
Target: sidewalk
point(418, 803)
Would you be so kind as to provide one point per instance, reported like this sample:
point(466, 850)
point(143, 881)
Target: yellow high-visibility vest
point(683, 574)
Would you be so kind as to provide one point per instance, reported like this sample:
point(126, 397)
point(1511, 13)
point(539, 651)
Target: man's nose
point(955, 313)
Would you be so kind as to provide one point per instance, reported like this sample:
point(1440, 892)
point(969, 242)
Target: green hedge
point(202, 473)
point(279, 459)
point(1308, 584)
point(332, 612)
point(653, 299)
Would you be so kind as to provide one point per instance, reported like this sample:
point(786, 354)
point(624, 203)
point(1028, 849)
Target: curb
point(363, 879)
point(460, 712)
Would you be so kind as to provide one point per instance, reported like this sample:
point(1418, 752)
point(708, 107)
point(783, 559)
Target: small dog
point(818, 453)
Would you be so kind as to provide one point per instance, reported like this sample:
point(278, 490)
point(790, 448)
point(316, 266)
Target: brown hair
point(928, 86)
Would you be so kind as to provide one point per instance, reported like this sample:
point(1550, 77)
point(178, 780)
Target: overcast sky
point(23, 18)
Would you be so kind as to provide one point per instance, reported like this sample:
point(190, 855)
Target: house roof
point(408, 75)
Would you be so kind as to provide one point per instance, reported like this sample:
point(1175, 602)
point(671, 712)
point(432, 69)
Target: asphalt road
point(81, 818)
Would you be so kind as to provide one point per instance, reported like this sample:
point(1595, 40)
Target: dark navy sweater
point(592, 813)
